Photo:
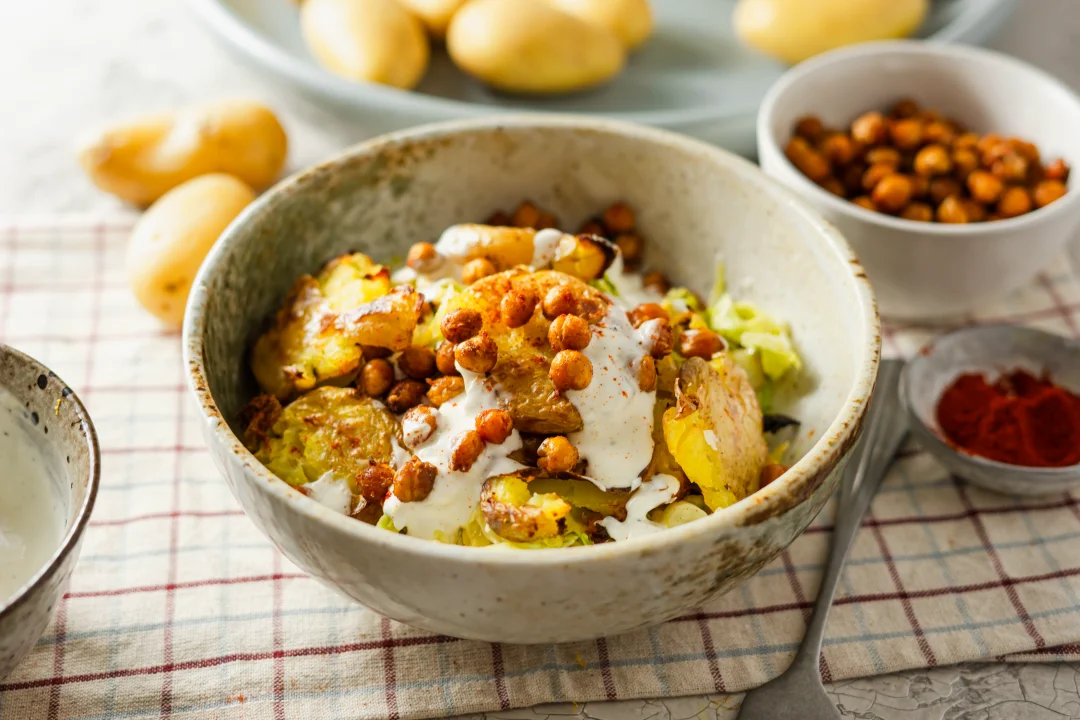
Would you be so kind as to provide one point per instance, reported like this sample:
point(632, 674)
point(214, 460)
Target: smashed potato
point(329, 430)
point(504, 247)
point(714, 430)
point(517, 514)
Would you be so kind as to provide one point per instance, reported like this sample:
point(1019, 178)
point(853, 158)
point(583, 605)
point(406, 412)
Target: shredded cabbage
point(387, 523)
point(429, 334)
point(604, 284)
point(744, 325)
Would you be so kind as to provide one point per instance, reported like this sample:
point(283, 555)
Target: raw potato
point(435, 14)
point(371, 40)
point(173, 237)
point(630, 20)
point(145, 158)
point(530, 46)
point(793, 30)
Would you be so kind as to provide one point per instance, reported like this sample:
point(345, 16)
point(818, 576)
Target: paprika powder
point(1018, 419)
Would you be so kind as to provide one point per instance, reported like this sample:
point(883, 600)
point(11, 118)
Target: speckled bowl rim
point(942, 447)
point(872, 52)
point(82, 516)
point(770, 501)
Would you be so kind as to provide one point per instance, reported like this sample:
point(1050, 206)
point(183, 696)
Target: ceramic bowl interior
point(990, 349)
point(694, 204)
point(57, 423)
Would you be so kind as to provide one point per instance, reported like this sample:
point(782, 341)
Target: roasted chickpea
point(1026, 150)
point(869, 129)
point(656, 281)
point(376, 377)
point(476, 269)
point(478, 354)
point(570, 370)
point(405, 394)
point(834, 186)
point(374, 482)
point(499, 219)
point(770, 473)
point(444, 389)
point(851, 178)
point(892, 193)
point(1048, 191)
point(944, 187)
point(646, 374)
point(809, 161)
point(631, 247)
point(444, 359)
point(976, 211)
point(1010, 167)
point(592, 226)
point(466, 449)
point(647, 311)
point(920, 212)
point(560, 300)
point(984, 186)
point(952, 211)
point(417, 362)
point(995, 152)
point(414, 480)
point(987, 141)
point(517, 306)
point(1014, 201)
point(864, 201)
point(933, 160)
point(557, 455)
point(547, 220)
point(619, 219)
point(965, 162)
point(905, 108)
point(939, 132)
point(1058, 170)
point(660, 336)
point(371, 352)
point(883, 156)
point(920, 186)
point(569, 332)
point(875, 174)
point(494, 426)
point(526, 215)
point(839, 149)
point(417, 425)
point(700, 343)
point(906, 134)
point(966, 141)
point(423, 257)
point(809, 127)
point(461, 324)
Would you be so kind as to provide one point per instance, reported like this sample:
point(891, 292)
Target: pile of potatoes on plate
point(195, 169)
point(515, 46)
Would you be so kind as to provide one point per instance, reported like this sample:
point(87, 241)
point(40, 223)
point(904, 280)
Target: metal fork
point(798, 694)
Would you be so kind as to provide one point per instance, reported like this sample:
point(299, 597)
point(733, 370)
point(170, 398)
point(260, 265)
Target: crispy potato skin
point(526, 391)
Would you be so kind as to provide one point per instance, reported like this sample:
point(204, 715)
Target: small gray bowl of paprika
point(999, 406)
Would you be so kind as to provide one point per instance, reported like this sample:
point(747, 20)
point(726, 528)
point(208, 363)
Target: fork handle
point(885, 430)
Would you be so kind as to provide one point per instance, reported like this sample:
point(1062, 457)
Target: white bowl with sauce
point(49, 455)
point(692, 202)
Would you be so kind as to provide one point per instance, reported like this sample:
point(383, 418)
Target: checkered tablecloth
point(180, 608)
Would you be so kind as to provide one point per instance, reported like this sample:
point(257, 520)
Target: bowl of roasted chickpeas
point(946, 167)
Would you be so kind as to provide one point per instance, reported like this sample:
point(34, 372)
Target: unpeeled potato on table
point(435, 14)
point(142, 159)
point(530, 46)
point(630, 20)
point(793, 30)
point(372, 40)
point(172, 238)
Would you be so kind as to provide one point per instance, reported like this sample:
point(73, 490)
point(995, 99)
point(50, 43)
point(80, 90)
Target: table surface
point(68, 65)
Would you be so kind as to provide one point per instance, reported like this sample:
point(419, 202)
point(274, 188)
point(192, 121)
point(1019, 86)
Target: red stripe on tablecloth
point(710, 654)
point(224, 660)
point(500, 676)
point(1058, 304)
point(389, 671)
point(213, 582)
point(170, 590)
point(53, 713)
point(605, 669)
point(279, 642)
point(167, 516)
point(995, 560)
point(1070, 649)
point(800, 597)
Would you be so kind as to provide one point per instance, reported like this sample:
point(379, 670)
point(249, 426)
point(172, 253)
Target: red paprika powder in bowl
point(999, 406)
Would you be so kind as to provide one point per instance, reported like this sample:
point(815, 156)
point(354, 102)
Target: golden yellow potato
point(793, 30)
point(435, 14)
point(371, 40)
point(630, 20)
point(173, 237)
point(530, 46)
point(144, 158)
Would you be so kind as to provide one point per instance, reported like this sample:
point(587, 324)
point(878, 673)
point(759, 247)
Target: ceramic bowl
point(693, 202)
point(59, 423)
point(919, 270)
point(990, 349)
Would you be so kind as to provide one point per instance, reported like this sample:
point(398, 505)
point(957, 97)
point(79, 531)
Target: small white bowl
point(923, 271)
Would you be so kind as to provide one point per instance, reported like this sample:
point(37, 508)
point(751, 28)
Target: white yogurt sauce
point(331, 491)
point(31, 513)
point(455, 494)
point(629, 286)
point(545, 243)
point(658, 490)
point(617, 416)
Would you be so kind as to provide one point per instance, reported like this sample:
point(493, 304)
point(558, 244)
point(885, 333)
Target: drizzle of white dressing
point(455, 494)
point(414, 431)
point(658, 490)
point(331, 491)
point(457, 241)
point(617, 416)
point(630, 287)
point(31, 513)
point(545, 243)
